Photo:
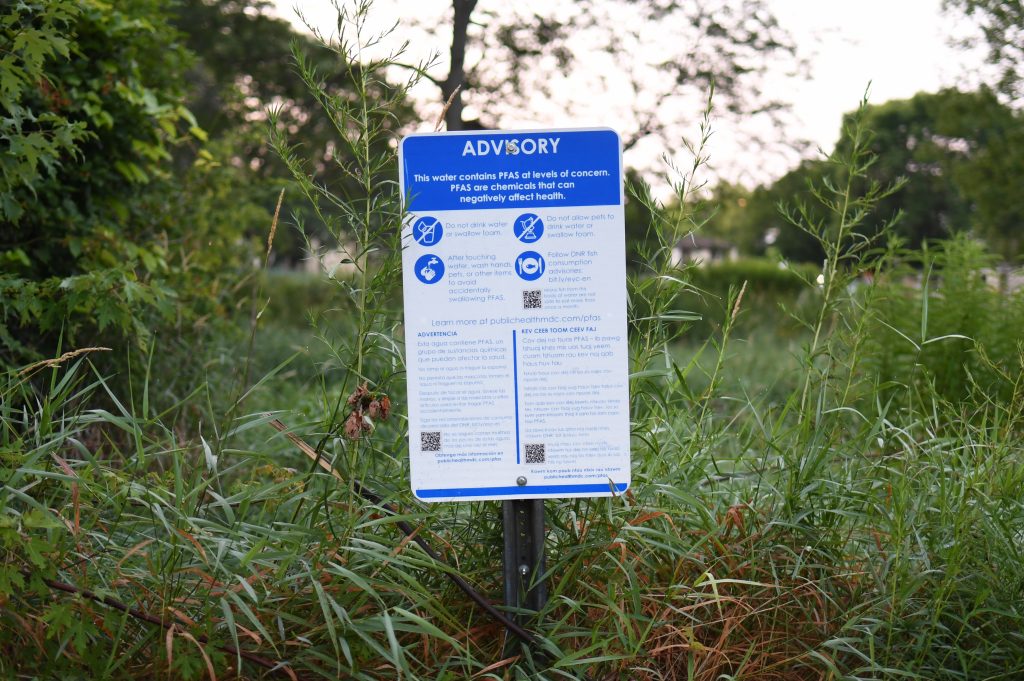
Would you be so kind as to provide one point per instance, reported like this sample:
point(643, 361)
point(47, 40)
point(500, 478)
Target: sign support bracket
point(523, 524)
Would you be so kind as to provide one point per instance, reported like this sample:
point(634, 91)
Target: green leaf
point(34, 45)
point(39, 519)
point(11, 79)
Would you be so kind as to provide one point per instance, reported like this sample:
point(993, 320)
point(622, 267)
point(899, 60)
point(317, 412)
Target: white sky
point(900, 46)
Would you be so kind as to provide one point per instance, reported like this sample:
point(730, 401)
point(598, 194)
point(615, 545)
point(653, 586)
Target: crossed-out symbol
point(427, 231)
point(528, 228)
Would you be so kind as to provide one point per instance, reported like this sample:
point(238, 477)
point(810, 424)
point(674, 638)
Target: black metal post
point(523, 521)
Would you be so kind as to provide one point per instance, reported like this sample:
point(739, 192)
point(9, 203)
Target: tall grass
point(859, 520)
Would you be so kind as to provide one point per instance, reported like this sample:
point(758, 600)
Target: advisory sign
point(514, 271)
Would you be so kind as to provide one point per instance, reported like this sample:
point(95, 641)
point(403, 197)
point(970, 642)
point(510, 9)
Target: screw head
point(521, 481)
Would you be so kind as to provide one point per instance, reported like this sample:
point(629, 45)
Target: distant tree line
point(961, 155)
point(137, 182)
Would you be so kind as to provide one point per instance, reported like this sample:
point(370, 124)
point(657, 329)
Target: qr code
point(532, 300)
point(534, 453)
point(430, 440)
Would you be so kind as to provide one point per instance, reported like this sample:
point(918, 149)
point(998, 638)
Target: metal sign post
point(523, 523)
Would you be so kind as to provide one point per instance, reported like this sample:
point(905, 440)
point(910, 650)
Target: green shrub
point(939, 329)
point(772, 292)
point(297, 297)
point(100, 239)
point(760, 274)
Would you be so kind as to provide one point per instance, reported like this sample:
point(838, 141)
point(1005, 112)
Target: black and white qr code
point(430, 440)
point(532, 300)
point(534, 453)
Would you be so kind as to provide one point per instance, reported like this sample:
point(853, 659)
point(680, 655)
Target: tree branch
point(420, 72)
point(451, 88)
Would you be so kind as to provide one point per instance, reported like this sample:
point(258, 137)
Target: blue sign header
point(494, 169)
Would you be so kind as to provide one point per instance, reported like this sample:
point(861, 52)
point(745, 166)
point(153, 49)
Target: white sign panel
point(514, 271)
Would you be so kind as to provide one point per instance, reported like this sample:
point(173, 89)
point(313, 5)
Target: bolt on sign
point(514, 271)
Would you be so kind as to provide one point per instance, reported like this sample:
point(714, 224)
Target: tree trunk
point(457, 72)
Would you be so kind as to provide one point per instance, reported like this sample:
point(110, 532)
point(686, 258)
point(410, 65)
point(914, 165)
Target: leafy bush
point(773, 292)
point(760, 274)
point(295, 296)
point(99, 235)
point(939, 329)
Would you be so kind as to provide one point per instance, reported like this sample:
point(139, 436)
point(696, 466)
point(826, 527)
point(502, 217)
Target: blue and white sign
point(514, 268)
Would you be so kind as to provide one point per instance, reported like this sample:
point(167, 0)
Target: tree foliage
point(755, 221)
point(98, 233)
point(37, 136)
point(961, 155)
point(661, 58)
point(138, 174)
point(243, 69)
point(1002, 26)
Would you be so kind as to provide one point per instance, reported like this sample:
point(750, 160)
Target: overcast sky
point(900, 46)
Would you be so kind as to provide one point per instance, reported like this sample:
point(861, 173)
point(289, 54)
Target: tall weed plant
point(941, 328)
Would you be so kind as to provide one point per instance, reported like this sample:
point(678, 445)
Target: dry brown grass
point(746, 602)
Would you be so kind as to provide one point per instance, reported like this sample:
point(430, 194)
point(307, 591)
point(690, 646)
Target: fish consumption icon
point(530, 265)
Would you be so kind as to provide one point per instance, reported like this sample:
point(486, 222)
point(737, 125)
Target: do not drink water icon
point(427, 231)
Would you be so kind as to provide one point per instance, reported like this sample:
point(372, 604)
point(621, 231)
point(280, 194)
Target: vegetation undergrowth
point(857, 518)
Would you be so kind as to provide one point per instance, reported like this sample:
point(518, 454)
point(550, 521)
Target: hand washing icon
point(429, 269)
